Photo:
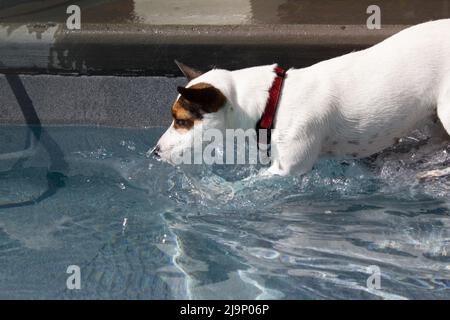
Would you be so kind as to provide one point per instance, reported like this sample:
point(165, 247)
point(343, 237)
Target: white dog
point(348, 107)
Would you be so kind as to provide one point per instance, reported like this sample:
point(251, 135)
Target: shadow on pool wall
point(39, 135)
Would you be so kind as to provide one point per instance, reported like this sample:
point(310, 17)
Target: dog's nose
point(156, 150)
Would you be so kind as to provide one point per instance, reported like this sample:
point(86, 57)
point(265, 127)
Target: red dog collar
point(266, 121)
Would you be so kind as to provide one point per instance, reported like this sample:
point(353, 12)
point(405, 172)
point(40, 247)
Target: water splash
point(300, 232)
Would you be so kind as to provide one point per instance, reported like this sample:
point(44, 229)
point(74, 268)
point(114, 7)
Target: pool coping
point(133, 49)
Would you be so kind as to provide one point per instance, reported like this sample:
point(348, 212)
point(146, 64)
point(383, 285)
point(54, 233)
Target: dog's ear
point(188, 72)
point(209, 98)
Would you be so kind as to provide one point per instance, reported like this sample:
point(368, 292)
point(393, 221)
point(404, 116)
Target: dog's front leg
point(294, 155)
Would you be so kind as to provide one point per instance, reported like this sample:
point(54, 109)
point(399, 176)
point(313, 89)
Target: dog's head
point(199, 106)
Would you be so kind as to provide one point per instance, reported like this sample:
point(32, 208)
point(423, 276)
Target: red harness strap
point(266, 121)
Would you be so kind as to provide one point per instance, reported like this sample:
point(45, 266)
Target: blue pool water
point(139, 228)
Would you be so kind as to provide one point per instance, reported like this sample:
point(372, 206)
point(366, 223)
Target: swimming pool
point(141, 229)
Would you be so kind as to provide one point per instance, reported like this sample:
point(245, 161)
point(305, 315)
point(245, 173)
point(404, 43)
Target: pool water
point(139, 228)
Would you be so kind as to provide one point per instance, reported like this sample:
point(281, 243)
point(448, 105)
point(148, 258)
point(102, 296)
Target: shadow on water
point(55, 177)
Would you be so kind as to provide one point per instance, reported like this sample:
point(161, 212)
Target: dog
point(352, 106)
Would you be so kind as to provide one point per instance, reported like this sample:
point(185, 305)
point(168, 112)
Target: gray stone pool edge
point(134, 49)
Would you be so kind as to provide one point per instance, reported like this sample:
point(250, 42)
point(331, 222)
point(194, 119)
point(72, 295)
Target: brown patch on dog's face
point(194, 102)
point(182, 118)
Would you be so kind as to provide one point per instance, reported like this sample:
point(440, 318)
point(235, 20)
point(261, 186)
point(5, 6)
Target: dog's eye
point(181, 122)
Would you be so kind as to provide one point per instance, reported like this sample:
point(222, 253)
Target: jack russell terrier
point(351, 106)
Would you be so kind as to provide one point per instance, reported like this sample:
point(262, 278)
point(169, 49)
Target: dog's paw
point(433, 174)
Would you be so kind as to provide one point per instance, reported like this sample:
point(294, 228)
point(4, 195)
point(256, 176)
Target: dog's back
point(376, 96)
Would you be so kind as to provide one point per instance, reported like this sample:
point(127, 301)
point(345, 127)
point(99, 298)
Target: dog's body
point(351, 106)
